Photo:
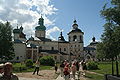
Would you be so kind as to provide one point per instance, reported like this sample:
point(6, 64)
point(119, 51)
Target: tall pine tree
point(6, 44)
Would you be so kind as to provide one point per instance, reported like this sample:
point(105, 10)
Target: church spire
point(61, 38)
point(41, 21)
point(75, 25)
point(93, 39)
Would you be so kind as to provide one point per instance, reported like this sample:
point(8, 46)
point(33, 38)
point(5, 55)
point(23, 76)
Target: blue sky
point(58, 15)
point(87, 14)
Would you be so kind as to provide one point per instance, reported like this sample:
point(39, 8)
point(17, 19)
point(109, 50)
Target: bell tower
point(40, 30)
point(75, 37)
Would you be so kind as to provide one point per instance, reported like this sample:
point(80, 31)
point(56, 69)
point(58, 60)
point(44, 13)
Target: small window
point(17, 58)
point(64, 49)
point(60, 49)
point(81, 38)
point(52, 48)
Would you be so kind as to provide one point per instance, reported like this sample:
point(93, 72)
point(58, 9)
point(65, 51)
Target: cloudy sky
point(58, 16)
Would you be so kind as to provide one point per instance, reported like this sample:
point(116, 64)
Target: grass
point(90, 76)
point(105, 68)
point(17, 66)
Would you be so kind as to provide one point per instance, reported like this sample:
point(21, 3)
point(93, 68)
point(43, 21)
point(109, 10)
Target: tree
point(6, 44)
point(111, 36)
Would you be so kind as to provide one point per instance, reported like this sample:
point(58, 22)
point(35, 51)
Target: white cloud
point(52, 30)
point(27, 13)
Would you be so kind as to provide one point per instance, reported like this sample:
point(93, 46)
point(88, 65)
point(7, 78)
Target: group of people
point(6, 72)
point(73, 67)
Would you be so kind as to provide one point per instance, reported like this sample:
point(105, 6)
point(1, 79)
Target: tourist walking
point(73, 69)
point(37, 65)
point(61, 68)
point(66, 72)
point(56, 67)
point(84, 67)
point(7, 74)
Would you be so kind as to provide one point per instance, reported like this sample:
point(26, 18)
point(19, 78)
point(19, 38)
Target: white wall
point(20, 51)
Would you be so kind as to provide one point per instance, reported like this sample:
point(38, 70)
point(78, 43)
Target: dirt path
point(43, 74)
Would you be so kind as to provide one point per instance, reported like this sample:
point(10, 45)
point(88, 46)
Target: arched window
point(81, 38)
point(64, 49)
point(52, 48)
point(74, 38)
point(60, 49)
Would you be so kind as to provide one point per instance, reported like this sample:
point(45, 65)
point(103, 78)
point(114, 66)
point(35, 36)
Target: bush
point(29, 63)
point(47, 60)
point(92, 65)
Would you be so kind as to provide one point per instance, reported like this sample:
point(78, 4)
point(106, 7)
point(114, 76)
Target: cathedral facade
point(38, 46)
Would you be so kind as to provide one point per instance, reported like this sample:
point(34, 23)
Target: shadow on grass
point(88, 76)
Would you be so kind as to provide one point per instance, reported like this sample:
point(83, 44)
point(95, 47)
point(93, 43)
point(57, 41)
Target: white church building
point(39, 46)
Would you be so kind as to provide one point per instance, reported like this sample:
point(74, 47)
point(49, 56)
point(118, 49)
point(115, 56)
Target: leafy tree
point(6, 44)
point(110, 45)
point(47, 60)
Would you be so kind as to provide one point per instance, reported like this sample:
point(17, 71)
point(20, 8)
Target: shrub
point(29, 63)
point(47, 60)
point(91, 65)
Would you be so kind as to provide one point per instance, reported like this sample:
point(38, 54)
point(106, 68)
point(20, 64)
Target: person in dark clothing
point(61, 68)
point(77, 65)
point(37, 65)
point(56, 67)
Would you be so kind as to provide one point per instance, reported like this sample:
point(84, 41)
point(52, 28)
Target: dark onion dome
point(93, 43)
point(21, 28)
point(40, 26)
point(16, 31)
point(75, 25)
point(93, 39)
point(61, 38)
point(31, 38)
point(75, 30)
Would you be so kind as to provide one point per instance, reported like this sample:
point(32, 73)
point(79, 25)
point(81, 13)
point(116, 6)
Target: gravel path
point(22, 78)
point(43, 75)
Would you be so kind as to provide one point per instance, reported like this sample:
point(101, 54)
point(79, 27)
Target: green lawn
point(17, 66)
point(90, 76)
point(105, 68)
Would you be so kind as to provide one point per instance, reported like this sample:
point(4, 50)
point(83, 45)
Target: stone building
point(39, 46)
point(90, 50)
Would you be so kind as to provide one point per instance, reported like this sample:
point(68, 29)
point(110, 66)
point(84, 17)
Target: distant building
point(39, 46)
point(90, 50)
